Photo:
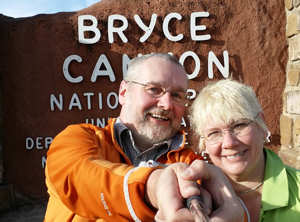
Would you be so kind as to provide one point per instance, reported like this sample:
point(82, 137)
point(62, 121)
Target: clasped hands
point(168, 188)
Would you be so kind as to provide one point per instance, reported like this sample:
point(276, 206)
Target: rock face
point(290, 118)
point(40, 99)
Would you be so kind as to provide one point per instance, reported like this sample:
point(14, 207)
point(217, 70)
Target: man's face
point(153, 119)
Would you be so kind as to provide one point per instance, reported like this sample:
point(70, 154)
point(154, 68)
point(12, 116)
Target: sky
point(25, 8)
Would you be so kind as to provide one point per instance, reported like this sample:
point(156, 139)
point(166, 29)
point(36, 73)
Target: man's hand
point(167, 190)
point(227, 207)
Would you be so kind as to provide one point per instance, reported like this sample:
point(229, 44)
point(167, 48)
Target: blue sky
point(25, 8)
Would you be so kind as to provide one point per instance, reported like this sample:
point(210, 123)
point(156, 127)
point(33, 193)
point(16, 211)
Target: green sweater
point(281, 191)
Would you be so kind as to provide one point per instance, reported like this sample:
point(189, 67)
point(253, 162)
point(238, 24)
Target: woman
point(230, 122)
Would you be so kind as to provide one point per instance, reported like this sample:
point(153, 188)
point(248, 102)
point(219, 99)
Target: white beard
point(156, 134)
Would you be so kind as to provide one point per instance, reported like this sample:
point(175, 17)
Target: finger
point(159, 216)
point(198, 211)
point(217, 184)
point(168, 196)
point(228, 212)
point(213, 179)
point(199, 170)
point(187, 188)
point(197, 206)
point(183, 215)
point(172, 189)
point(207, 201)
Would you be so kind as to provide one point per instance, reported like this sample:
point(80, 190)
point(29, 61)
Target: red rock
point(34, 49)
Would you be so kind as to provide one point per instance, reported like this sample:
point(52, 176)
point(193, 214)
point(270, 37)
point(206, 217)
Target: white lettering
point(183, 123)
point(125, 62)
point(88, 98)
point(38, 142)
point(44, 159)
point(108, 72)
point(88, 95)
point(92, 28)
point(105, 204)
point(186, 135)
point(196, 60)
point(119, 30)
point(66, 64)
point(100, 101)
point(53, 100)
point(99, 122)
point(118, 24)
point(75, 102)
point(29, 143)
point(108, 100)
point(223, 69)
point(166, 27)
point(147, 29)
point(194, 28)
point(191, 94)
point(48, 141)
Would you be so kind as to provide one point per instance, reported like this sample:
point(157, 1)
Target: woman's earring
point(267, 139)
point(205, 156)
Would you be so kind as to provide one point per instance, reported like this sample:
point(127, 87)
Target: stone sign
point(65, 68)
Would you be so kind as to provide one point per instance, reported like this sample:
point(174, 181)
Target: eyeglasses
point(178, 96)
point(238, 129)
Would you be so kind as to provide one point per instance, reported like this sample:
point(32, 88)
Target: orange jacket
point(85, 174)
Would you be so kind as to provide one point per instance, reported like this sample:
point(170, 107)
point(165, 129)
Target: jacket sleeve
point(183, 154)
point(84, 171)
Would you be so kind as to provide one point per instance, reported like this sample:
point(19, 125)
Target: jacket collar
point(275, 190)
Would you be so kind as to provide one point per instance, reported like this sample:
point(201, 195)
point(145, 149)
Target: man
point(112, 174)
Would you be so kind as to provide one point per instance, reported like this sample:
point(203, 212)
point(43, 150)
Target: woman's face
point(237, 147)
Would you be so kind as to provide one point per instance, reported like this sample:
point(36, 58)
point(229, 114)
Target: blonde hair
point(224, 101)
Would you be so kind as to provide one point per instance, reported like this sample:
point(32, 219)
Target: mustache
point(157, 111)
